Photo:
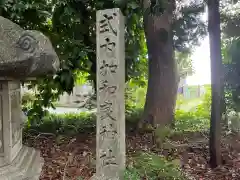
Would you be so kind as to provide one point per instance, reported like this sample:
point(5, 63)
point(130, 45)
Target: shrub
point(135, 94)
point(73, 123)
point(207, 99)
point(180, 101)
point(68, 124)
point(203, 110)
point(195, 120)
point(191, 121)
point(27, 99)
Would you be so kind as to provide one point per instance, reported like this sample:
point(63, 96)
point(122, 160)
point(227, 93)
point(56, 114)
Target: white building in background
point(78, 96)
point(182, 86)
point(75, 99)
point(188, 91)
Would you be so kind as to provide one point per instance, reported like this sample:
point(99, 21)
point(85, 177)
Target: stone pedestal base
point(26, 166)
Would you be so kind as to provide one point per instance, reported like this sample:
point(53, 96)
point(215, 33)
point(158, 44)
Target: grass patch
point(191, 121)
point(153, 167)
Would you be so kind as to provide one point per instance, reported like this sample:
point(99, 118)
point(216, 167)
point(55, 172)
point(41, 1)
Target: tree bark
point(216, 66)
point(2, 3)
point(224, 109)
point(162, 73)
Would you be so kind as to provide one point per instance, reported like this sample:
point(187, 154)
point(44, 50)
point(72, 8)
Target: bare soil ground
point(68, 158)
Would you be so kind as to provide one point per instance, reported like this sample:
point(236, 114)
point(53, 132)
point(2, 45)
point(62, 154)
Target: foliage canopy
point(71, 27)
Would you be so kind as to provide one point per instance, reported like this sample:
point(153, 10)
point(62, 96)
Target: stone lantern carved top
point(25, 53)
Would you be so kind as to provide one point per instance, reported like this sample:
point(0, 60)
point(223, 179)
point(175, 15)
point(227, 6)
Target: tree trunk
point(224, 110)
point(2, 3)
point(162, 73)
point(216, 66)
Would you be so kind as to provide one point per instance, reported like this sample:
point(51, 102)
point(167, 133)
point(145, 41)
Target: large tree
point(159, 20)
point(216, 81)
point(162, 79)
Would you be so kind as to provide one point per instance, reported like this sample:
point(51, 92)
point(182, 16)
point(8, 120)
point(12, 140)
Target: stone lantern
point(23, 55)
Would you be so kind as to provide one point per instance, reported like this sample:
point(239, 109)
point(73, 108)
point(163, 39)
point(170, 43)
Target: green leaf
point(133, 5)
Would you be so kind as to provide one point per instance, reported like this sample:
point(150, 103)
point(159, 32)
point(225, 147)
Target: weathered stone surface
point(11, 120)
point(110, 162)
point(25, 53)
point(17, 162)
point(26, 166)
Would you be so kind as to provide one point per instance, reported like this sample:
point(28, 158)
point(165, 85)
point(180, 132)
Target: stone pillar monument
point(110, 152)
point(23, 54)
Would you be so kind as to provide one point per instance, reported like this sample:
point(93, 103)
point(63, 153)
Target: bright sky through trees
point(201, 63)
